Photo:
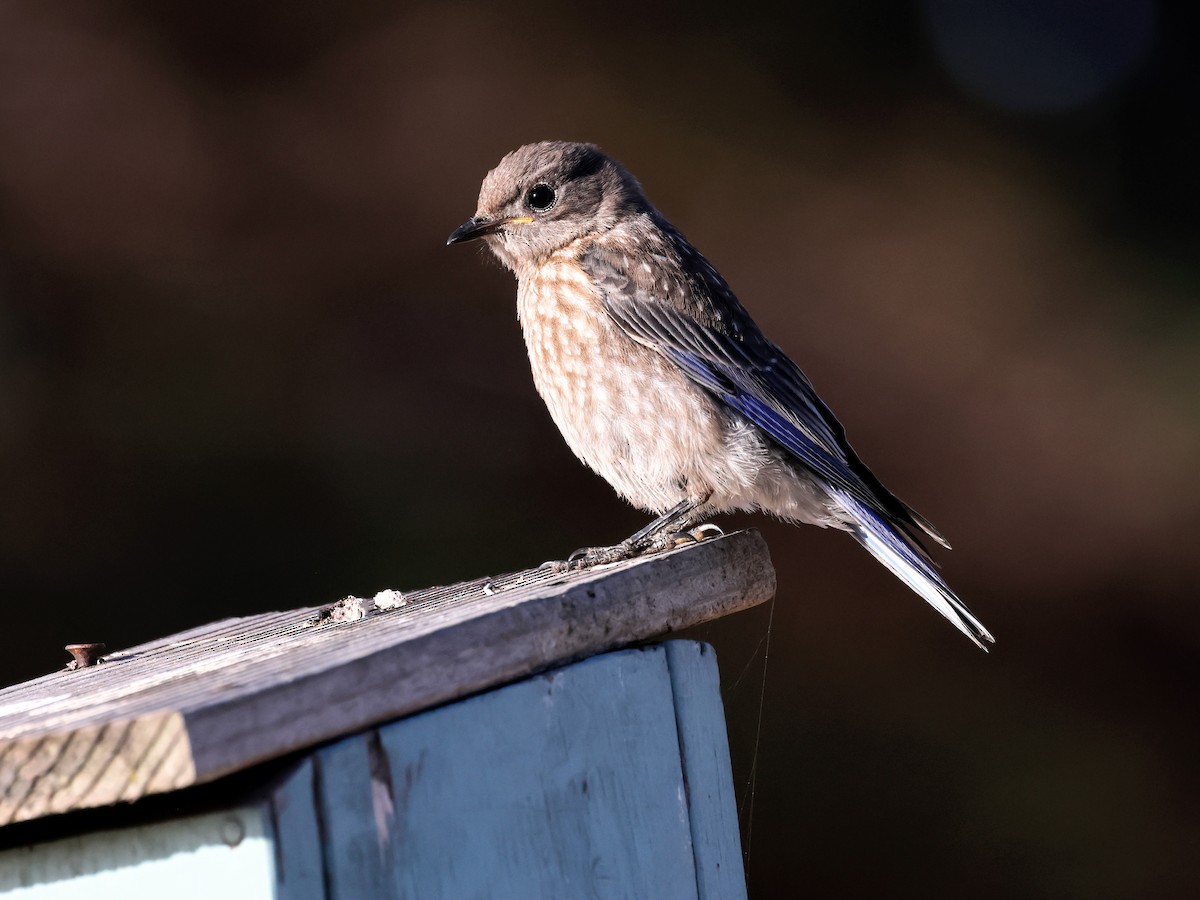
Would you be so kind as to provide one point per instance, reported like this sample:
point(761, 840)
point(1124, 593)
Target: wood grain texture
point(220, 698)
point(93, 764)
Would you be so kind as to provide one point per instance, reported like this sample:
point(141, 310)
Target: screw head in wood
point(86, 655)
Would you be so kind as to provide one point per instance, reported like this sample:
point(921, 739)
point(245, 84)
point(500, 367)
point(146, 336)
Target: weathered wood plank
point(217, 699)
point(104, 762)
point(704, 746)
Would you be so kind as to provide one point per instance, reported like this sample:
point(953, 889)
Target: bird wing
point(675, 303)
point(682, 309)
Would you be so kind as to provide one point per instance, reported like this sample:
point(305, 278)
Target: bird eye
point(541, 197)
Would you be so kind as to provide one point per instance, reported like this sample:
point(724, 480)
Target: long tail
point(910, 564)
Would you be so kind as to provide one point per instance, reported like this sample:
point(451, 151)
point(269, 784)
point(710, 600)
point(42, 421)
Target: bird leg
point(660, 534)
point(676, 515)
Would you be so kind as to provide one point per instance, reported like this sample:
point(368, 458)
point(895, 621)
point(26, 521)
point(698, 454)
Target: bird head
point(542, 197)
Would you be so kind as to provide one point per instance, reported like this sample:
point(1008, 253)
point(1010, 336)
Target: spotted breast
point(610, 397)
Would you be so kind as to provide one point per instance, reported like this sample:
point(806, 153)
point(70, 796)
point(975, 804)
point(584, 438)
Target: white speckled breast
point(627, 412)
point(621, 408)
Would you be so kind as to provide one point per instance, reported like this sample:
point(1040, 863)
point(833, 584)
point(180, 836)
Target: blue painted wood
point(704, 747)
point(565, 785)
point(351, 807)
point(295, 830)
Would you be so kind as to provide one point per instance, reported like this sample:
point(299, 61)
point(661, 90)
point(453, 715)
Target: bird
point(662, 383)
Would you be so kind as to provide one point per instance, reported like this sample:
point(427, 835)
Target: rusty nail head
point(85, 654)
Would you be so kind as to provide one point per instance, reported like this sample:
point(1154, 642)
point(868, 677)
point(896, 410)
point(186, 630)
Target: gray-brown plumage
point(659, 379)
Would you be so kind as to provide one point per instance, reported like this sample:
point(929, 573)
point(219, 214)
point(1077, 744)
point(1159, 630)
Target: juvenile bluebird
point(662, 383)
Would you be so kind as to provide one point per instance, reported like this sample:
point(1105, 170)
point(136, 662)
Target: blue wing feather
point(694, 319)
point(737, 391)
point(688, 314)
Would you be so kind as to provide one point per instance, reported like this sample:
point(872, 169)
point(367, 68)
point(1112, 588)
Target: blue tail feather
point(909, 563)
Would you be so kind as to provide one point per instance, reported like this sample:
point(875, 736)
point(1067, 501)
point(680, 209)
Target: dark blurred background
point(239, 371)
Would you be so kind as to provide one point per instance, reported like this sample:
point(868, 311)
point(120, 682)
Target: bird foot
point(589, 557)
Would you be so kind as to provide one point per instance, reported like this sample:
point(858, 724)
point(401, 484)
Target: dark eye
point(541, 197)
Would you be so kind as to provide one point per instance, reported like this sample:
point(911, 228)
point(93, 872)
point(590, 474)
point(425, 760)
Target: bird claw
point(705, 532)
point(695, 535)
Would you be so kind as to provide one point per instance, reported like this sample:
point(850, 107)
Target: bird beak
point(480, 226)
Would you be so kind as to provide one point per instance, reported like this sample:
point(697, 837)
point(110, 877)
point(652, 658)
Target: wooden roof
point(217, 699)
